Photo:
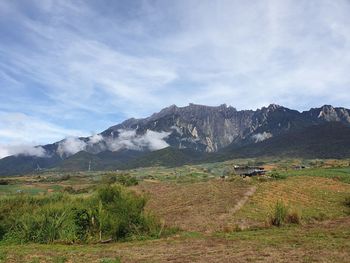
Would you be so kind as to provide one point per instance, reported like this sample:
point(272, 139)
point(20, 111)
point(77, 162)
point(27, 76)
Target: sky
point(75, 68)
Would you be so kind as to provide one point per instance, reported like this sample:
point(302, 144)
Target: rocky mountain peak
point(274, 106)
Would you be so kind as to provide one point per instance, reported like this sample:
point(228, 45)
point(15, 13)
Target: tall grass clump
point(123, 179)
point(110, 213)
point(281, 215)
point(347, 201)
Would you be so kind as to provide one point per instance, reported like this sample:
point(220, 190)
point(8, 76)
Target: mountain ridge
point(199, 128)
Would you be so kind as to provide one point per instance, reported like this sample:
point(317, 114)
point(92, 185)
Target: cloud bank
point(127, 139)
point(22, 149)
point(259, 137)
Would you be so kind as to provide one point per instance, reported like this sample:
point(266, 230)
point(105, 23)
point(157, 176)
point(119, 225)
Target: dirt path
point(242, 201)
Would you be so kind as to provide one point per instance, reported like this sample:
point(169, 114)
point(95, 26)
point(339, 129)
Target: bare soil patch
point(202, 206)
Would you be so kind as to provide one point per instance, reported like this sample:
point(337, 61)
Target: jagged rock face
point(209, 129)
point(199, 127)
point(203, 128)
point(328, 113)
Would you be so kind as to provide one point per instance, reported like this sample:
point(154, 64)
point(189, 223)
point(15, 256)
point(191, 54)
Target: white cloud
point(21, 149)
point(127, 139)
point(96, 138)
point(21, 128)
point(70, 146)
point(259, 137)
point(152, 140)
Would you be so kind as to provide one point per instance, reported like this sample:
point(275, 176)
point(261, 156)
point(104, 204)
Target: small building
point(250, 171)
point(298, 167)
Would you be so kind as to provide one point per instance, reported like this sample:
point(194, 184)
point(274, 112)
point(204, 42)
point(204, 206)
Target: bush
point(4, 182)
point(71, 190)
point(347, 201)
point(278, 176)
point(279, 215)
point(111, 213)
point(123, 179)
point(293, 218)
point(127, 180)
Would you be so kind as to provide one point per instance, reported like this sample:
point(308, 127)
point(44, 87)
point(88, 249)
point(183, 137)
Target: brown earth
point(202, 206)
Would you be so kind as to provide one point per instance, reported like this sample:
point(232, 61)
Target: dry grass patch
point(202, 206)
point(313, 197)
point(326, 241)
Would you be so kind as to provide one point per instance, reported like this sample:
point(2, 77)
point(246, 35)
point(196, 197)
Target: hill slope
point(329, 140)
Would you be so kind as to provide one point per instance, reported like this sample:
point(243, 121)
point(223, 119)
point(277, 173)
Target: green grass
point(314, 198)
point(111, 212)
point(110, 260)
point(3, 256)
point(318, 242)
point(60, 259)
point(341, 174)
point(295, 236)
point(316, 193)
point(20, 188)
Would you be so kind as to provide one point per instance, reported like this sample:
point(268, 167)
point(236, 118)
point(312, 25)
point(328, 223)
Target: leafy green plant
point(3, 257)
point(279, 215)
point(278, 176)
point(123, 179)
point(111, 213)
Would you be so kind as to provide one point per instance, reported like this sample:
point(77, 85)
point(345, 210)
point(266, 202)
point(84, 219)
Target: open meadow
point(299, 211)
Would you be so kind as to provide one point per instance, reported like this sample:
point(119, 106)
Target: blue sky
point(74, 68)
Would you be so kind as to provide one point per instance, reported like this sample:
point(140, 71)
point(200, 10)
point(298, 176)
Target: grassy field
point(326, 241)
point(213, 219)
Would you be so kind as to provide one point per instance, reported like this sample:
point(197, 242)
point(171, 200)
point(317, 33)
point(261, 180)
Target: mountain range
point(196, 133)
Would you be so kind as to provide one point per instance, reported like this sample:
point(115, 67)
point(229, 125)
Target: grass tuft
point(279, 215)
point(111, 260)
point(111, 213)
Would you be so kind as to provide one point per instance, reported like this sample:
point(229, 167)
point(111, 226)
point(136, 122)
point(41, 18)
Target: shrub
point(3, 256)
point(347, 201)
point(119, 213)
point(293, 218)
point(111, 213)
point(279, 215)
point(123, 179)
point(127, 180)
point(69, 189)
point(278, 176)
point(4, 182)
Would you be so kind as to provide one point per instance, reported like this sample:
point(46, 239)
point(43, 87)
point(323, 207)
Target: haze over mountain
point(196, 132)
